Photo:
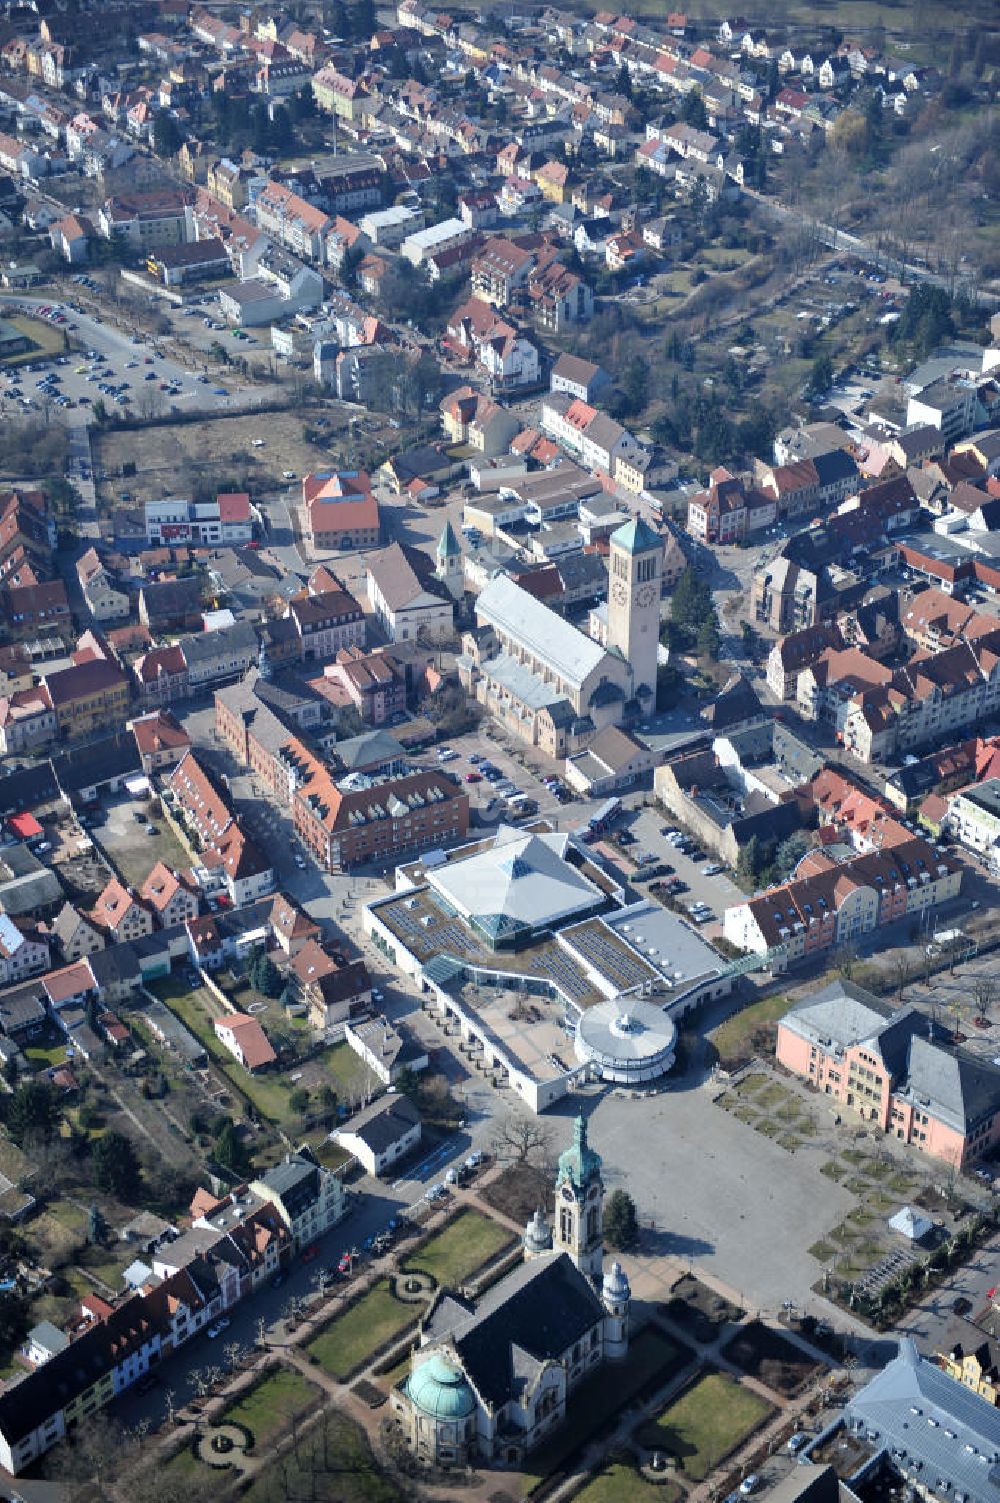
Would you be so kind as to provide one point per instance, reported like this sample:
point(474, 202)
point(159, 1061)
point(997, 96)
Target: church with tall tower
point(492, 1378)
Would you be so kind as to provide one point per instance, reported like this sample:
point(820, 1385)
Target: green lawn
point(350, 1339)
point(652, 1361)
point(622, 1484)
point(331, 1467)
point(734, 1038)
point(464, 1245)
point(268, 1409)
point(43, 1056)
point(708, 1421)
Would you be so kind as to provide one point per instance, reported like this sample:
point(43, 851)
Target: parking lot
point(719, 891)
point(121, 831)
point(146, 380)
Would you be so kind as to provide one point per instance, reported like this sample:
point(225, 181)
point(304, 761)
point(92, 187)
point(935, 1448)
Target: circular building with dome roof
point(627, 1041)
point(443, 1410)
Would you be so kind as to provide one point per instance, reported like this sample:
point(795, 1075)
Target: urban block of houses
point(837, 895)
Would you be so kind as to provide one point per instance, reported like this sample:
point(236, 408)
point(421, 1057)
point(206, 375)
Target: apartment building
point(293, 222)
point(87, 697)
point(146, 221)
point(326, 623)
point(344, 824)
point(370, 681)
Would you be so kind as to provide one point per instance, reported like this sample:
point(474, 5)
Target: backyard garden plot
point(706, 1423)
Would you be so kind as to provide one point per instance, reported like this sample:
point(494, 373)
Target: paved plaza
point(730, 1199)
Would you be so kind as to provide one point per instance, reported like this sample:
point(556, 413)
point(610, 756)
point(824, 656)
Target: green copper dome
point(438, 1388)
point(579, 1163)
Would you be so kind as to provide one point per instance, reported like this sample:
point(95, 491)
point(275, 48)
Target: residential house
point(170, 896)
point(87, 696)
point(335, 987)
point(105, 601)
point(246, 1041)
point(121, 914)
point(382, 1135)
point(309, 1199)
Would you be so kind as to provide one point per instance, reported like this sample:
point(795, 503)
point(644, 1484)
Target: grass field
point(46, 339)
point(269, 1408)
point(461, 1247)
point(707, 1422)
point(332, 1463)
point(622, 1484)
point(345, 1344)
point(734, 1039)
point(653, 1359)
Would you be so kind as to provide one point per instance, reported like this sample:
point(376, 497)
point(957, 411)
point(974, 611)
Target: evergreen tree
point(32, 1112)
point(693, 111)
point(116, 1166)
point(230, 1151)
point(167, 138)
point(708, 638)
point(621, 1222)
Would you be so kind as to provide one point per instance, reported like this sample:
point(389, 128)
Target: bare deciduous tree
point(520, 1138)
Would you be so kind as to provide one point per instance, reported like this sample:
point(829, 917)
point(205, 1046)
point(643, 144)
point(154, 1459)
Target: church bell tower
point(580, 1204)
point(635, 574)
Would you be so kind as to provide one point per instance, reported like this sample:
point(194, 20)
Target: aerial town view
point(499, 752)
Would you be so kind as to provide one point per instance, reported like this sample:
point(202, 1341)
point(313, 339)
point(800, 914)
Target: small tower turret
point(616, 1295)
point(537, 1236)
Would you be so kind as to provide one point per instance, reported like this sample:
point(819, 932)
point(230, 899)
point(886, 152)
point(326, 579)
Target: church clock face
point(644, 596)
point(567, 1193)
point(619, 592)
